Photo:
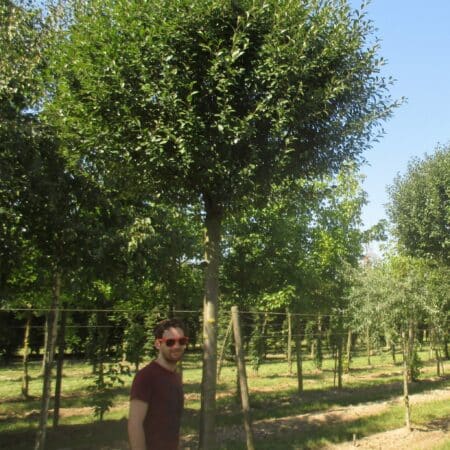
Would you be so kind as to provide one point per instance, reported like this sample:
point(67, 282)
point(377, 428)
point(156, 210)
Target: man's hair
point(165, 324)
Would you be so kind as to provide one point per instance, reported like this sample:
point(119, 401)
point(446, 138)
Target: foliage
point(102, 394)
point(392, 297)
point(420, 207)
point(219, 98)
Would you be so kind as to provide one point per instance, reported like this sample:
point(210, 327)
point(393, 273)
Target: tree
point(420, 207)
point(393, 297)
point(21, 47)
point(213, 102)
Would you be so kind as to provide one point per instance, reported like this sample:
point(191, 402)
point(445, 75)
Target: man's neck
point(166, 364)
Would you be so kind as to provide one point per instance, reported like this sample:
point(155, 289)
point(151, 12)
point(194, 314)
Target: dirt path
point(419, 439)
point(401, 439)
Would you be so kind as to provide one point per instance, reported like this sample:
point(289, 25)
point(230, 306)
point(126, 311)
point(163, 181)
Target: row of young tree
point(154, 151)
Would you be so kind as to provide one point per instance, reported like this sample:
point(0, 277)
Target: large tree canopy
point(420, 207)
point(218, 97)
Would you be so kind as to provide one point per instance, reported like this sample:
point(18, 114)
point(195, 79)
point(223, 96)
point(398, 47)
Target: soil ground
point(424, 438)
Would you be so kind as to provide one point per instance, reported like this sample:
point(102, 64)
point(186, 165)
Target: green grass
point(273, 395)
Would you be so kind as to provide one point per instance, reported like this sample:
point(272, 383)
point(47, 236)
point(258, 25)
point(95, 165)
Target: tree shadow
point(108, 434)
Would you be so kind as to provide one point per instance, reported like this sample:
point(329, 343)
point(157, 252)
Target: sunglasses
point(170, 342)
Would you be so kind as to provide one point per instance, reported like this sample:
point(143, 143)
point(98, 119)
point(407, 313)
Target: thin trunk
point(349, 351)
point(340, 357)
point(240, 359)
point(59, 367)
point(51, 331)
point(222, 352)
point(335, 358)
point(262, 347)
point(410, 349)
point(406, 364)
point(178, 306)
point(438, 362)
point(318, 349)
point(369, 350)
point(289, 342)
point(393, 352)
point(207, 438)
point(101, 383)
point(45, 344)
point(298, 354)
point(26, 351)
point(431, 342)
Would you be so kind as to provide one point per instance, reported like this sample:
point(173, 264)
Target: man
point(156, 400)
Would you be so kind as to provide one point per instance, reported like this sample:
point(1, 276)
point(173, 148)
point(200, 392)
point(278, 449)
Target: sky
point(415, 40)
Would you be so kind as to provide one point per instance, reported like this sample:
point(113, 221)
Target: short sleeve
point(141, 389)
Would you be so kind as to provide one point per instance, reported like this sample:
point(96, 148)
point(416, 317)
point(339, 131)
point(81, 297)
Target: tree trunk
point(224, 345)
point(318, 348)
point(289, 341)
point(340, 357)
point(45, 344)
point(438, 362)
point(410, 350)
point(393, 351)
point(349, 351)
point(207, 438)
point(406, 365)
point(51, 331)
point(59, 367)
point(368, 345)
point(26, 351)
point(240, 360)
point(298, 353)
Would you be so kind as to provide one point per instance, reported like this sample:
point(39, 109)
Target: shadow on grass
point(109, 434)
point(105, 435)
point(283, 403)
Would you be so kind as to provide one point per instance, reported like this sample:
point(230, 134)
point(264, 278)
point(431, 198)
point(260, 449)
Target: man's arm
point(136, 435)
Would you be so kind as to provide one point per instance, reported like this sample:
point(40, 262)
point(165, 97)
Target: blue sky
point(415, 39)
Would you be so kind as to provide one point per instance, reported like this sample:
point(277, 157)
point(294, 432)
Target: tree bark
point(45, 344)
point(207, 438)
point(240, 359)
point(224, 345)
point(406, 364)
point(349, 351)
point(59, 367)
point(393, 351)
point(410, 350)
point(298, 353)
point(289, 341)
point(26, 351)
point(51, 331)
point(340, 356)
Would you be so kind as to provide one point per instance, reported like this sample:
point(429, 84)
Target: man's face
point(174, 353)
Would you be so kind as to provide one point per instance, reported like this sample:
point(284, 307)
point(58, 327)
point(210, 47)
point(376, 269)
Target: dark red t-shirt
point(163, 391)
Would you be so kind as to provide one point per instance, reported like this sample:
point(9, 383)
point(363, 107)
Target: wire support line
point(273, 313)
point(92, 310)
point(43, 327)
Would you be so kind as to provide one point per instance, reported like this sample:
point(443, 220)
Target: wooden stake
point(222, 352)
point(242, 378)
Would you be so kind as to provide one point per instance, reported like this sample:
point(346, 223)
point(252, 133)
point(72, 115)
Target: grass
point(273, 395)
